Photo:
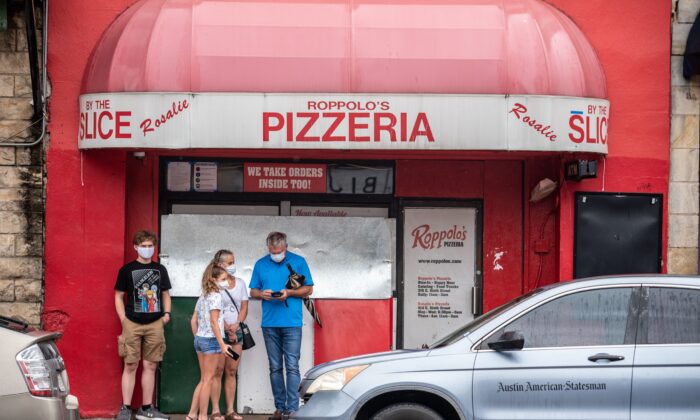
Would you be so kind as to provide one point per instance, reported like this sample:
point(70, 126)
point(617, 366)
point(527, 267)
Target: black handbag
point(247, 340)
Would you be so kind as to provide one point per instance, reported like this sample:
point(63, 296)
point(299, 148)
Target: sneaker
point(124, 413)
point(288, 415)
point(151, 413)
point(276, 416)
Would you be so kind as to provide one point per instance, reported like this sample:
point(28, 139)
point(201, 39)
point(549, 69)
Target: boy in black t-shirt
point(145, 284)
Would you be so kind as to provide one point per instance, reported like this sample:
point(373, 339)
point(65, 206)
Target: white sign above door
point(343, 121)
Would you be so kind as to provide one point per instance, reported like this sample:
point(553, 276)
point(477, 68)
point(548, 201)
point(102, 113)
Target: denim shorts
point(206, 345)
point(239, 337)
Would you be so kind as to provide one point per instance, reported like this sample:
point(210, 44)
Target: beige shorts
point(138, 338)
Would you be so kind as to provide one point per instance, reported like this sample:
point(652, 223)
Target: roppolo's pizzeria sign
point(347, 121)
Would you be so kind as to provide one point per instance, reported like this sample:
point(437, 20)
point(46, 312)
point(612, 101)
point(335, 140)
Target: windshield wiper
point(14, 324)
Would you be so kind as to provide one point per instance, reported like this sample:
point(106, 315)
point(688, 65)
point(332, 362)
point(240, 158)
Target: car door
point(666, 382)
point(576, 362)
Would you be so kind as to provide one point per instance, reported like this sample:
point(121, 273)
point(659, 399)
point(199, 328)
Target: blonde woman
point(235, 310)
point(208, 328)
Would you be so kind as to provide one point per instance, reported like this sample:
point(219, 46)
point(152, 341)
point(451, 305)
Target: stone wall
point(21, 177)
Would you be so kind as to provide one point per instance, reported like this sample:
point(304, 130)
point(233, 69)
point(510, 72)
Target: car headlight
point(336, 379)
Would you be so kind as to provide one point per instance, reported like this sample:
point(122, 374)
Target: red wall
point(512, 264)
point(632, 39)
point(87, 200)
point(84, 216)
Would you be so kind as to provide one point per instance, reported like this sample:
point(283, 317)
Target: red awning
point(514, 47)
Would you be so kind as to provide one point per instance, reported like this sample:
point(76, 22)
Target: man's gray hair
point(276, 238)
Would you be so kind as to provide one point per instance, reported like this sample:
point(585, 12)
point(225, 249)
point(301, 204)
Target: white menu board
point(439, 272)
point(205, 176)
point(179, 176)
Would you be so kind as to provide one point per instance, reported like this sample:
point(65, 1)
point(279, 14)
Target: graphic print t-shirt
point(143, 284)
point(206, 304)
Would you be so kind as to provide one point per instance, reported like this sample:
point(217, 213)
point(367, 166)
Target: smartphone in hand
point(232, 354)
point(276, 294)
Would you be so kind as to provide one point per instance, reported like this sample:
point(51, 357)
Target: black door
point(617, 234)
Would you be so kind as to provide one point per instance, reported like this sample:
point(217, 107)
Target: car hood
point(364, 360)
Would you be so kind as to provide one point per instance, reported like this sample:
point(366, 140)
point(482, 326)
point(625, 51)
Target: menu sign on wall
point(205, 176)
point(179, 174)
point(284, 177)
point(439, 272)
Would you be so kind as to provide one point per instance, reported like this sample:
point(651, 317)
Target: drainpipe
point(32, 47)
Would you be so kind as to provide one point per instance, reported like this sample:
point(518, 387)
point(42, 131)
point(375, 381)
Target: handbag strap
point(232, 301)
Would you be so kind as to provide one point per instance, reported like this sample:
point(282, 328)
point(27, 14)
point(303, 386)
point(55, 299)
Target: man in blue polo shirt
point(282, 318)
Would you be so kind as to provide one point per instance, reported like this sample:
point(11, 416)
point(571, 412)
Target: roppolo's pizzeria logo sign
point(361, 121)
point(427, 238)
point(551, 387)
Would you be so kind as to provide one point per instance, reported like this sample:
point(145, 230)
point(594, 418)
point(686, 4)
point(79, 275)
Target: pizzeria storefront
point(430, 160)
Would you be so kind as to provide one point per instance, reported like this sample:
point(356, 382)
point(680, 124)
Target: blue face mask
point(145, 252)
point(231, 269)
point(277, 257)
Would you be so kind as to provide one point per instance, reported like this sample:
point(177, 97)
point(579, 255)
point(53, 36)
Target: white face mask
point(231, 269)
point(277, 257)
point(223, 283)
point(145, 252)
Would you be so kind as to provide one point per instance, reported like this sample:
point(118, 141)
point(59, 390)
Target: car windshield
point(457, 335)
point(15, 324)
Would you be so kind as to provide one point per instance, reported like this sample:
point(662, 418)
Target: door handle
point(606, 356)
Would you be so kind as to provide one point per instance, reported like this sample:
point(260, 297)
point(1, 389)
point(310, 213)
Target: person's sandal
point(217, 416)
point(233, 416)
point(189, 418)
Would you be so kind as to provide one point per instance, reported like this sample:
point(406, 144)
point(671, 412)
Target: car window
point(477, 322)
point(590, 318)
point(673, 316)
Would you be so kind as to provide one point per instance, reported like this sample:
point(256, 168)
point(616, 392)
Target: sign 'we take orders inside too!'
point(284, 177)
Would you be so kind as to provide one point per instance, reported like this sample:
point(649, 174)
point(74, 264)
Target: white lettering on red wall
point(284, 177)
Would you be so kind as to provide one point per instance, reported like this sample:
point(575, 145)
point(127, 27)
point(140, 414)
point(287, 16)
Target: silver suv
point(34, 382)
point(603, 348)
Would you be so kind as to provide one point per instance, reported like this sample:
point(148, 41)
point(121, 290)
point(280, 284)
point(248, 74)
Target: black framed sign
point(617, 234)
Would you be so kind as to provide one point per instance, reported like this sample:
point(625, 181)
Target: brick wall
point(21, 178)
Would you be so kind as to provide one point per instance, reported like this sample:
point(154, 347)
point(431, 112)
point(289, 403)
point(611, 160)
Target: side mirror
point(509, 340)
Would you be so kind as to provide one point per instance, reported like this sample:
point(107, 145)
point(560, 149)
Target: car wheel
point(407, 411)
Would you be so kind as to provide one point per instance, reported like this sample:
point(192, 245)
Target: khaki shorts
point(137, 337)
